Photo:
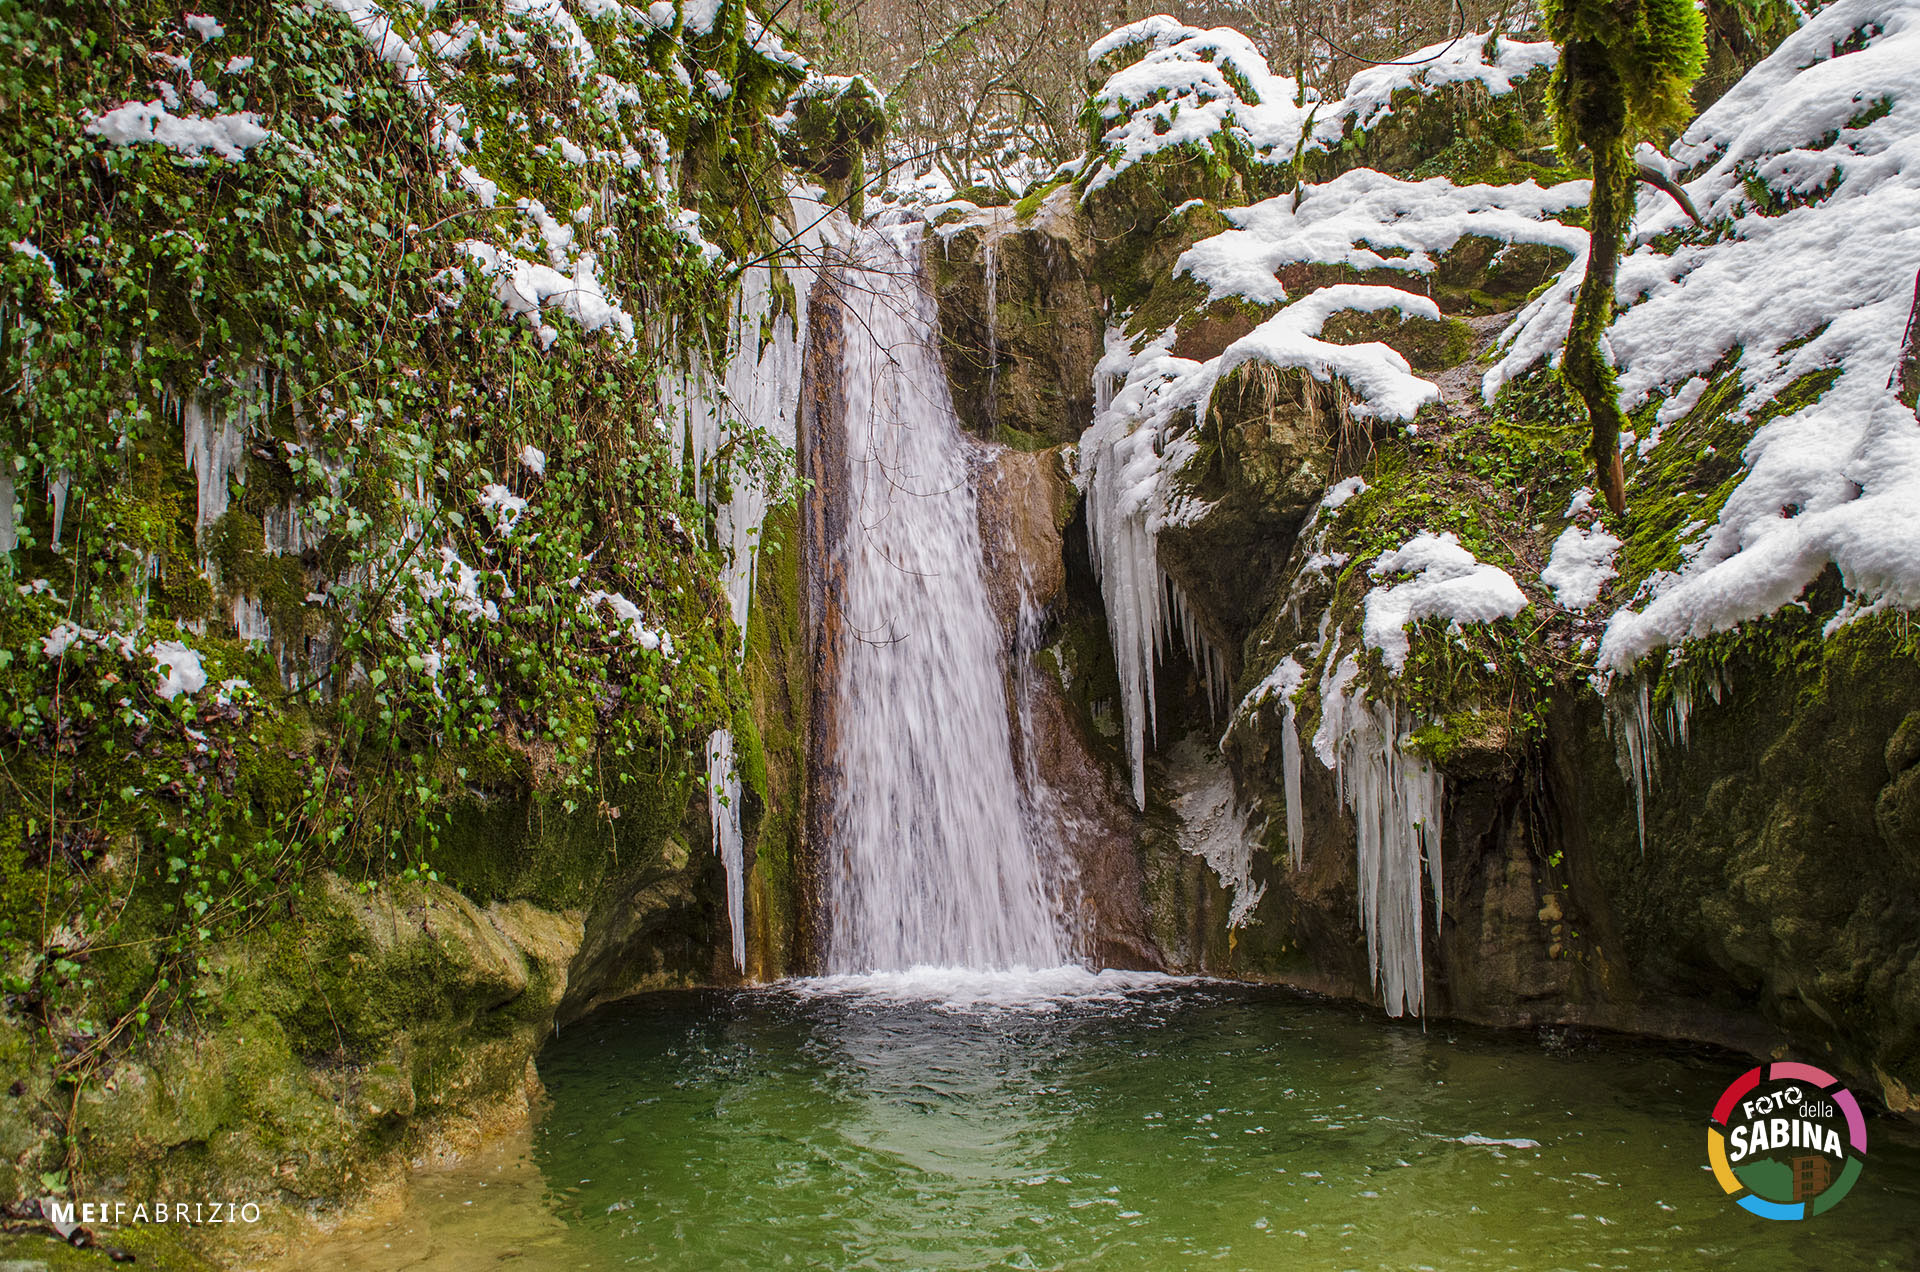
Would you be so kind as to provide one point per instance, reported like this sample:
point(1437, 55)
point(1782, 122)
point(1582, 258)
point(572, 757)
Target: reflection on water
point(1152, 1125)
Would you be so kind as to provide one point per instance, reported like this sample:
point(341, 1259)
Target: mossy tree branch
point(1626, 67)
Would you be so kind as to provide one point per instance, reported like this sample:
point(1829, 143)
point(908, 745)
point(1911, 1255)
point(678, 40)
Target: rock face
point(1020, 322)
point(1770, 906)
point(1025, 503)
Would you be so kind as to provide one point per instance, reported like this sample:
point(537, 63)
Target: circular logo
point(1787, 1141)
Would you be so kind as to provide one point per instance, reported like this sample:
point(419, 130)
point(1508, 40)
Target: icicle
point(1630, 719)
point(57, 494)
point(757, 389)
point(1395, 799)
point(250, 619)
point(723, 804)
point(1145, 609)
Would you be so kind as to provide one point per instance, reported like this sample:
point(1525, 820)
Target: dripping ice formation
point(1395, 799)
point(1122, 467)
point(759, 392)
point(932, 856)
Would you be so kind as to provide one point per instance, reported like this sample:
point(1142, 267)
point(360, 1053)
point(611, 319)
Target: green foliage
point(445, 617)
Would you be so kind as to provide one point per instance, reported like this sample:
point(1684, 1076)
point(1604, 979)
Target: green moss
point(1428, 344)
point(1695, 467)
point(1029, 204)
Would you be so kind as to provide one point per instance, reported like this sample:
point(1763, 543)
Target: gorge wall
point(1713, 844)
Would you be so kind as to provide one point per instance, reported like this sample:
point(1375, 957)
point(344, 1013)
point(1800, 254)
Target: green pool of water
point(985, 1123)
point(1168, 1127)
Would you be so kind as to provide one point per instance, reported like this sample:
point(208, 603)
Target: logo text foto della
point(1787, 1141)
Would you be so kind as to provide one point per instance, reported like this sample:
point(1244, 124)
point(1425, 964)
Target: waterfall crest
point(932, 858)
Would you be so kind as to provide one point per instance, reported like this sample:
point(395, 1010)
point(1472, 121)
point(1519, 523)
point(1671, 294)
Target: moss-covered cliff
point(365, 608)
point(1308, 456)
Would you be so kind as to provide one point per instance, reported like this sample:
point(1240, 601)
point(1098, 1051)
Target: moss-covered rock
point(831, 125)
point(324, 1051)
point(1020, 327)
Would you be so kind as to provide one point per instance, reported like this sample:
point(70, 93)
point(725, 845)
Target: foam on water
point(975, 989)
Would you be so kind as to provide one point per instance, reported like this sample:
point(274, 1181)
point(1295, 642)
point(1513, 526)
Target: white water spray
point(931, 859)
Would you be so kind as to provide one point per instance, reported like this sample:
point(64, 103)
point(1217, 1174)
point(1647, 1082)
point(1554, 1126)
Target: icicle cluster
point(1121, 465)
point(1395, 799)
point(1631, 721)
point(758, 391)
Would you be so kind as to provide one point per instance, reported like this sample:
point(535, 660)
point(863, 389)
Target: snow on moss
point(1367, 220)
point(1580, 565)
point(1808, 174)
point(1370, 93)
point(1448, 582)
point(1188, 86)
point(191, 136)
point(1191, 86)
point(179, 669)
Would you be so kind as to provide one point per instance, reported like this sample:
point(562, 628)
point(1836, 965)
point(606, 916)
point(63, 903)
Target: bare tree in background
point(988, 93)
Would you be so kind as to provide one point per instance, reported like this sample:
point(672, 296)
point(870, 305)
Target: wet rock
point(1020, 322)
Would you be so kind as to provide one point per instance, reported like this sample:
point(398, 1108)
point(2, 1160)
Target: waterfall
point(931, 857)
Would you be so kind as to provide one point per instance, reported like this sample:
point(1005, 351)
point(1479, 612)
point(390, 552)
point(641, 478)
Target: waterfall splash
point(931, 857)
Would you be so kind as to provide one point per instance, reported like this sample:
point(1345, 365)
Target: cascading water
point(931, 857)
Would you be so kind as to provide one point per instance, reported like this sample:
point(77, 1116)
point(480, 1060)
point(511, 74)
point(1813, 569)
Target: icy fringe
point(214, 443)
point(1396, 801)
point(758, 391)
point(1635, 731)
point(1282, 682)
point(1145, 609)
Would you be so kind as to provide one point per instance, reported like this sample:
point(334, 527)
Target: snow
point(1823, 286)
point(179, 668)
point(192, 136)
point(1449, 582)
point(1341, 491)
point(507, 508)
point(1182, 90)
point(525, 289)
point(686, 224)
point(207, 28)
point(1186, 87)
point(534, 460)
point(562, 30)
point(1580, 565)
point(376, 28)
point(28, 249)
point(1383, 380)
point(1368, 220)
point(1462, 61)
point(238, 65)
